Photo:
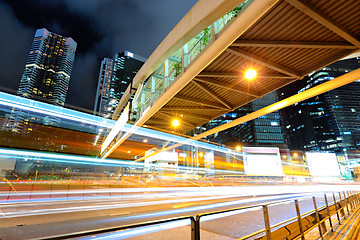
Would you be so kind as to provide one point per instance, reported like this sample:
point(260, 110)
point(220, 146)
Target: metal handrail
point(195, 221)
point(113, 229)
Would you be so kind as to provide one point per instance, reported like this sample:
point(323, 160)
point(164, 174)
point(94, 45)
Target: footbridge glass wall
point(160, 80)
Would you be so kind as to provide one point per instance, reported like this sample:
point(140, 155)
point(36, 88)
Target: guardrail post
point(353, 193)
point(195, 228)
point(267, 222)
point(336, 208)
point(8, 197)
point(351, 197)
point(346, 199)
point(51, 186)
point(67, 194)
point(328, 212)
point(350, 200)
point(318, 218)
point(356, 194)
point(31, 192)
point(342, 211)
point(354, 199)
point(299, 220)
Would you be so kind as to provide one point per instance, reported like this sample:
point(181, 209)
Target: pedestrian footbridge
point(197, 73)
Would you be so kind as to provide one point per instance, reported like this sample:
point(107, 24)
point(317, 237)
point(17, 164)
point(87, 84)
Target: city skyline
point(98, 28)
point(117, 97)
point(242, 103)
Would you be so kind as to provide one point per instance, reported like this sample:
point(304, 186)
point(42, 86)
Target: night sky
point(101, 28)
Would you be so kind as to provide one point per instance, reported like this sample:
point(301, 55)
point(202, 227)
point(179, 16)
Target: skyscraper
point(263, 131)
point(327, 122)
point(125, 67)
point(46, 76)
point(103, 90)
point(48, 68)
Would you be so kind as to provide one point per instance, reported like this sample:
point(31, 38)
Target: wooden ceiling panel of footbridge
point(294, 38)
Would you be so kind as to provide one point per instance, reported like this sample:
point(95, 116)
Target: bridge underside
point(289, 41)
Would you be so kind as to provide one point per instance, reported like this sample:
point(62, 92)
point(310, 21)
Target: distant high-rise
point(102, 100)
point(125, 67)
point(327, 122)
point(46, 77)
point(48, 68)
point(263, 131)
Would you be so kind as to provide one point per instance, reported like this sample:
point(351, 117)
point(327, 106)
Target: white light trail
point(144, 230)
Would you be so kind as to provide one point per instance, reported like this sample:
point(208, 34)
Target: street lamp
point(238, 148)
point(250, 74)
point(175, 123)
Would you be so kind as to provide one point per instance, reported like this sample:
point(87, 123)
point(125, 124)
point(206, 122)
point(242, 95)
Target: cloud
point(15, 44)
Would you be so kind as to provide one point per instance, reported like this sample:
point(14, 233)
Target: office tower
point(125, 67)
point(327, 122)
point(103, 90)
point(48, 68)
point(47, 74)
point(263, 131)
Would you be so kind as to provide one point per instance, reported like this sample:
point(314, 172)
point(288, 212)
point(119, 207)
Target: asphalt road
point(64, 212)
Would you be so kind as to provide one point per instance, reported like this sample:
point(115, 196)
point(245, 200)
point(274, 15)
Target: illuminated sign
point(323, 164)
point(262, 161)
point(209, 162)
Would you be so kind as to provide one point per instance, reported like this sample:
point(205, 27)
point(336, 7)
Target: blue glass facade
point(263, 131)
point(114, 78)
point(327, 122)
point(46, 77)
point(48, 68)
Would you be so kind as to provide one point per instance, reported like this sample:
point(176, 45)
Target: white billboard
point(323, 164)
point(262, 161)
point(209, 162)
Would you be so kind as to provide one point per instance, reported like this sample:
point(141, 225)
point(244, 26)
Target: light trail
point(49, 211)
point(74, 159)
point(164, 226)
point(217, 193)
point(52, 110)
point(144, 230)
point(124, 205)
point(30, 105)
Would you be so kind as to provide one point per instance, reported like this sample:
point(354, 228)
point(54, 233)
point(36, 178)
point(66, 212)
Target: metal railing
point(293, 228)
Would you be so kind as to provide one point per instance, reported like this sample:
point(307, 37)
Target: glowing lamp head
point(295, 155)
point(175, 123)
point(250, 74)
point(201, 154)
point(238, 148)
point(145, 140)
